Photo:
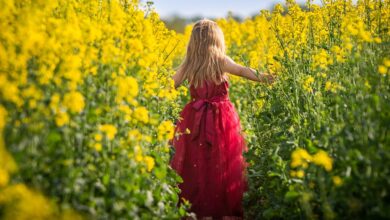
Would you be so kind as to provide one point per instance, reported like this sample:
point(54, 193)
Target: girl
point(208, 143)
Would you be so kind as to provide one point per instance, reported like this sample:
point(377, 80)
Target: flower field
point(319, 137)
point(87, 109)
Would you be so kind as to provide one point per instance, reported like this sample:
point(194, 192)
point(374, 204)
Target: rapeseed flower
point(74, 101)
point(109, 130)
point(165, 130)
point(322, 158)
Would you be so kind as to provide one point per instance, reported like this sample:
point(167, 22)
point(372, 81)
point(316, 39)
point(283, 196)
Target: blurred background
point(178, 13)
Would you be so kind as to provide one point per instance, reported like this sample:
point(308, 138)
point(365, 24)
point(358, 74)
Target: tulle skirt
point(208, 156)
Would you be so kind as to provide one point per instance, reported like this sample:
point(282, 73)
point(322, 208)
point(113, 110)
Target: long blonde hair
point(205, 54)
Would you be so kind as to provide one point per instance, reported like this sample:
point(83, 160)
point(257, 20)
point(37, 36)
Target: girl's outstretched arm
point(246, 72)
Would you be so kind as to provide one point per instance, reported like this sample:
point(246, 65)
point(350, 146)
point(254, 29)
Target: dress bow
point(207, 120)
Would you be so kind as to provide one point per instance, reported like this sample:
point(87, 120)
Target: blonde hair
point(205, 54)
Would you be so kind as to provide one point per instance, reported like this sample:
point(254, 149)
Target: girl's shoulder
point(228, 64)
point(226, 59)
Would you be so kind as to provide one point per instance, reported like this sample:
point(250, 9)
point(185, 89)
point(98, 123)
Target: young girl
point(208, 143)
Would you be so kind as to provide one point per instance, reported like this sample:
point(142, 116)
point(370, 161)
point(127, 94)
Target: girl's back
point(209, 89)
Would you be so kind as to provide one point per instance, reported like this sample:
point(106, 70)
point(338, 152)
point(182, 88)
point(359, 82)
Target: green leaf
point(291, 195)
point(106, 179)
point(53, 137)
point(160, 173)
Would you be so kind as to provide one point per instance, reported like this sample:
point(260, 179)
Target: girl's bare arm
point(246, 72)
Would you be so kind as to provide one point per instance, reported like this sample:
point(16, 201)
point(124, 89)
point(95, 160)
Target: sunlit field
point(88, 106)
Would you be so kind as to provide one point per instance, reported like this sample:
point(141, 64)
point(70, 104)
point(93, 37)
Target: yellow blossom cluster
point(332, 86)
point(139, 156)
point(337, 181)
point(300, 158)
point(321, 158)
point(127, 88)
point(74, 101)
point(307, 84)
point(20, 202)
point(98, 145)
point(149, 161)
point(321, 59)
point(384, 67)
point(109, 130)
point(165, 130)
point(141, 114)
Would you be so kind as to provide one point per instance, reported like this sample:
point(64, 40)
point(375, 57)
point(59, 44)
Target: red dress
point(209, 157)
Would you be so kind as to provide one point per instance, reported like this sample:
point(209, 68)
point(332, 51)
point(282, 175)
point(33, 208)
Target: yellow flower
point(3, 116)
point(135, 134)
point(300, 173)
point(61, 118)
point(109, 130)
point(147, 138)
point(367, 84)
point(139, 157)
point(138, 149)
point(98, 147)
point(337, 181)
point(332, 86)
point(149, 162)
point(309, 80)
point(321, 74)
point(74, 101)
point(259, 103)
point(98, 137)
point(300, 157)
point(328, 85)
point(386, 62)
point(165, 130)
point(170, 94)
point(321, 59)
point(26, 204)
point(141, 114)
point(308, 83)
point(378, 40)
point(4, 177)
point(126, 111)
point(183, 90)
point(55, 100)
point(127, 88)
point(278, 8)
point(382, 69)
point(322, 158)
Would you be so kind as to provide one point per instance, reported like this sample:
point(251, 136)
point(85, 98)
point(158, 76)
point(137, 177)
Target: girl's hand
point(267, 78)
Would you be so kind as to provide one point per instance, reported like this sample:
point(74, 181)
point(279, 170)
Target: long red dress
point(209, 157)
